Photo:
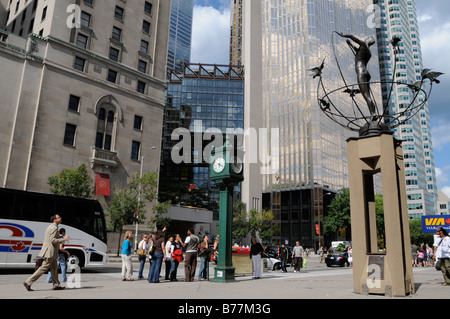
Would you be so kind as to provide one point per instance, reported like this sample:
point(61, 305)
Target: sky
point(210, 44)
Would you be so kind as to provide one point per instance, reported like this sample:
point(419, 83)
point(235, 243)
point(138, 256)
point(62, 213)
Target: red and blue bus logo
point(15, 238)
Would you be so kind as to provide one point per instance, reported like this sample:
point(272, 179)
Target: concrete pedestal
point(387, 273)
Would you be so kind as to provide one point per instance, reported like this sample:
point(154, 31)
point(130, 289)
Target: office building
point(85, 84)
point(311, 152)
point(236, 32)
point(180, 33)
point(399, 19)
point(201, 98)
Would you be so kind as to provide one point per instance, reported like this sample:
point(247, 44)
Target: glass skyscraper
point(399, 19)
point(180, 33)
point(298, 36)
point(199, 98)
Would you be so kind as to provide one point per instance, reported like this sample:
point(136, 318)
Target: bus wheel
point(75, 260)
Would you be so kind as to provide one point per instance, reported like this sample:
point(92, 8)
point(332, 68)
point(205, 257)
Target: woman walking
point(158, 256)
point(127, 265)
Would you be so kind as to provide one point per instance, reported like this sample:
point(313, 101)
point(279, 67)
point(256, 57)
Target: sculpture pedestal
point(387, 273)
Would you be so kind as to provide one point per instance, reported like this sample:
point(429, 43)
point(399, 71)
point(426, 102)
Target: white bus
point(24, 217)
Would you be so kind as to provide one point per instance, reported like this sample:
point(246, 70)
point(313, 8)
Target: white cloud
point(446, 190)
point(210, 36)
point(440, 135)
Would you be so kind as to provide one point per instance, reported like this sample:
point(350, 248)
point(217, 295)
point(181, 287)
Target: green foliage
point(338, 214)
point(253, 222)
point(159, 219)
point(72, 182)
point(127, 204)
point(417, 236)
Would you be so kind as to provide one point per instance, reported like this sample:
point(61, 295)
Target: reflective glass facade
point(202, 97)
point(399, 19)
point(297, 36)
point(180, 33)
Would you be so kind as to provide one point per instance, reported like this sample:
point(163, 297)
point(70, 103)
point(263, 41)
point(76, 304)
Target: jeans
point(62, 264)
point(155, 267)
point(202, 272)
point(173, 270)
point(141, 267)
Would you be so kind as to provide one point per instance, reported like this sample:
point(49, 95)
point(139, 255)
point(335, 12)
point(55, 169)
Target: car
point(273, 252)
point(337, 258)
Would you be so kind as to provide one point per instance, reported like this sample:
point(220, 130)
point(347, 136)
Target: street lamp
point(139, 198)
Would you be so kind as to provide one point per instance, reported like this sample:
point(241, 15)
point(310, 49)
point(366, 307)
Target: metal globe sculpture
point(377, 120)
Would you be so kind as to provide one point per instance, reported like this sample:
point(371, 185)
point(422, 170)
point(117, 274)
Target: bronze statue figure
point(362, 58)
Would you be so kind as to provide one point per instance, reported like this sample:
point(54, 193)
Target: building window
point(142, 66)
point(85, 19)
point(79, 64)
point(82, 41)
point(135, 148)
point(146, 27)
point(105, 127)
point(138, 122)
point(112, 76)
point(116, 33)
point(144, 46)
point(114, 54)
point(74, 103)
point(141, 87)
point(44, 14)
point(69, 135)
point(118, 14)
point(148, 7)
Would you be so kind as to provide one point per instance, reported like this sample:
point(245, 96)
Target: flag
point(102, 184)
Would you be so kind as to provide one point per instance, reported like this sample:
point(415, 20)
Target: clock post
point(227, 171)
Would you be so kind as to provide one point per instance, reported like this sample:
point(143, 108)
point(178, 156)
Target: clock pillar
point(226, 170)
point(224, 271)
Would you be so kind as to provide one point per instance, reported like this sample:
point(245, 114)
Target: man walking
point(190, 263)
point(443, 254)
point(298, 254)
point(49, 252)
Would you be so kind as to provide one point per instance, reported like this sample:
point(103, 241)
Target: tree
point(72, 182)
point(159, 219)
point(418, 237)
point(253, 222)
point(338, 214)
point(127, 204)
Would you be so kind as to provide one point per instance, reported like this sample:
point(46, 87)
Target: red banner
point(102, 184)
point(317, 229)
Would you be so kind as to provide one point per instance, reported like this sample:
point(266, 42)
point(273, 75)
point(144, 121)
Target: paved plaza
point(316, 282)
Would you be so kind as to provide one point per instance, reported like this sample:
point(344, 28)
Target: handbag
point(141, 252)
point(39, 261)
point(438, 265)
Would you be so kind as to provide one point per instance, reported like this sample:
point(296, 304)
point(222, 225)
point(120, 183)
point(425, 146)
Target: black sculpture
point(356, 119)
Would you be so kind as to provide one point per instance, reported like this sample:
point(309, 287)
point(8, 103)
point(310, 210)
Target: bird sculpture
point(317, 71)
point(352, 92)
point(432, 76)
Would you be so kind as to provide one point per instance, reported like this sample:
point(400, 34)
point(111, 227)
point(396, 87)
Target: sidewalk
point(316, 282)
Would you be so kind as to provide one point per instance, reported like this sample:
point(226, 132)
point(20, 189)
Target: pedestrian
point(190, 262)
point(256, 249)
point(142, 254)
point(283, 255)
point(350, 255)
point(168, 259)
point(321, 254)
point(61, 259)
point(297, 255)
point(204, 254)
point(414, 254)
point(421, 256)
point(127, 265)
point(443, 253)
point(177, 257)
point(158, 256)
point(49, 252)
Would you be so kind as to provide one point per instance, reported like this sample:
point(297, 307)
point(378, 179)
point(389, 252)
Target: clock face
point(219, 164)
point(236, 167)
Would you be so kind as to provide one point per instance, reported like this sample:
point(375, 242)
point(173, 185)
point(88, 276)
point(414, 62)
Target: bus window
point(75, 214)
point(99, 227)
point(35, 208)
point(6, 205)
